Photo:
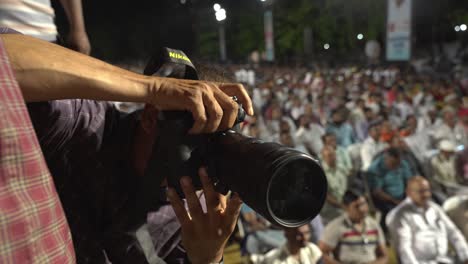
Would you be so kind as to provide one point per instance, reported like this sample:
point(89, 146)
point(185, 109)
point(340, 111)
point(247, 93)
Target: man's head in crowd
point(284, 126)
point(449, 117)
point(329, 156)
point(360, 103)
point(447, 148)
point(370, 115)
point(286, 139)
point(432, 114)
point(392, 158)
point(356, 205)
point(338, 116)
point(398, 143)
point(419, 191)
point(276, 113)
point(254, 131)
point(329, 140)
point(374, 131)
point(298, 237)
point(411, 124)
point(296, 101)
point(304, 121)
point(308, 110)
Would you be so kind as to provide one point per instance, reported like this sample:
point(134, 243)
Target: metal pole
point(269, 35)
point(222, 42)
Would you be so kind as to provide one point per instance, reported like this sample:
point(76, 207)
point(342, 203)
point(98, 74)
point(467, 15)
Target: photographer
point(97, 155)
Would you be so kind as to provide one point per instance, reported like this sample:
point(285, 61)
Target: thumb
point(232, 211)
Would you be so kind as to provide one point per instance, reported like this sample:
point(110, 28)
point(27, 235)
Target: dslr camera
point(284, 185)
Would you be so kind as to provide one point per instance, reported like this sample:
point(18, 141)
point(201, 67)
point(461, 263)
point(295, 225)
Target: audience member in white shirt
point(310, 134)
point(429, 122)
point(371, 146)
point(448, 129)
point(420, 229)
point(418, 142)
point(443, 169)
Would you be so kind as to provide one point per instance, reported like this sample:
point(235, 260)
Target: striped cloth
point(351, 245)
point(31, 17)
point(33, 228)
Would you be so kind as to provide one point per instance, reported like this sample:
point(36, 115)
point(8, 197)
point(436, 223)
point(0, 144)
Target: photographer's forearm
point(47, 71)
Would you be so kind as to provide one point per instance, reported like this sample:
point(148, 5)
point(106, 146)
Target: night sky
point(122, 30)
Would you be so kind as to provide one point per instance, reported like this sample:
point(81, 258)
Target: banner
point(269, 38)
point(399, 30)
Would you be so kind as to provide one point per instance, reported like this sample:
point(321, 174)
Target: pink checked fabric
point(33, 227)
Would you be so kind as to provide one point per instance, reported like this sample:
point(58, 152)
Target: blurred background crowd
point(372, 128)
point(391, 134)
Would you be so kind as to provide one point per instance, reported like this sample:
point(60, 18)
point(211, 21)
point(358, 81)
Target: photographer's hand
point(211, 104)
point(204, 235)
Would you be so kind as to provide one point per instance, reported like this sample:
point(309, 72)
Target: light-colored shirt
point(419, 144)
point(425, 124)
point(423, 235)
point(31, 17)
point(311, 137)
point(443, 170)
point(369, 149)
point(344, 158)
point(351, 245)
point(337, 178)
point(307, 255)
point(457, 134)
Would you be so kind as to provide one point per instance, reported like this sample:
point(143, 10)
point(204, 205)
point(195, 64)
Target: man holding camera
point(97, 156)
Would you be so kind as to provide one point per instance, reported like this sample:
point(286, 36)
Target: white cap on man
point(447, 145)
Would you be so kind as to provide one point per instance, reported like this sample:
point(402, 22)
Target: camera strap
point(171, 63)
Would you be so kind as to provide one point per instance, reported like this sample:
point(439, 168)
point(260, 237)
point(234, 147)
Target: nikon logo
point(179, 56)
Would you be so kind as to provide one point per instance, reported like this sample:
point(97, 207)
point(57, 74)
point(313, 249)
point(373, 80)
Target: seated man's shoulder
point(372, 222)
point(405, 164)
point(398, 213)
point(335, 224)
point(436, 207)
point(314, 249)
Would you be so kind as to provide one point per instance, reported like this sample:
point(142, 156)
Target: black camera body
point(284, 185)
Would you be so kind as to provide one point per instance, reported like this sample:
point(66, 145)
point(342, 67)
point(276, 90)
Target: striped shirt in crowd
point(31, 17)
point(351, 245)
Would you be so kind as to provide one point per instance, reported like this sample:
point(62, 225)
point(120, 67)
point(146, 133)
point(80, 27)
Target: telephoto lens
point(284, 185)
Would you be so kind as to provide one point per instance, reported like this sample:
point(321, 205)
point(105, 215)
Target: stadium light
point(463, 27)
point(221, 14)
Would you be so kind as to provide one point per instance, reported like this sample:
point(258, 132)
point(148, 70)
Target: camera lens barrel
point(284, 185)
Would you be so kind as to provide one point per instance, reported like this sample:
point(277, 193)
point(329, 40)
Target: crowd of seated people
point(384, 138)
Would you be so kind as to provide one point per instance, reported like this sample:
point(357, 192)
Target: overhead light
point(360, 36)
point(326, 46)
point(221, 14)
point(216, 7)
point(463, 27)
point(457, 28)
